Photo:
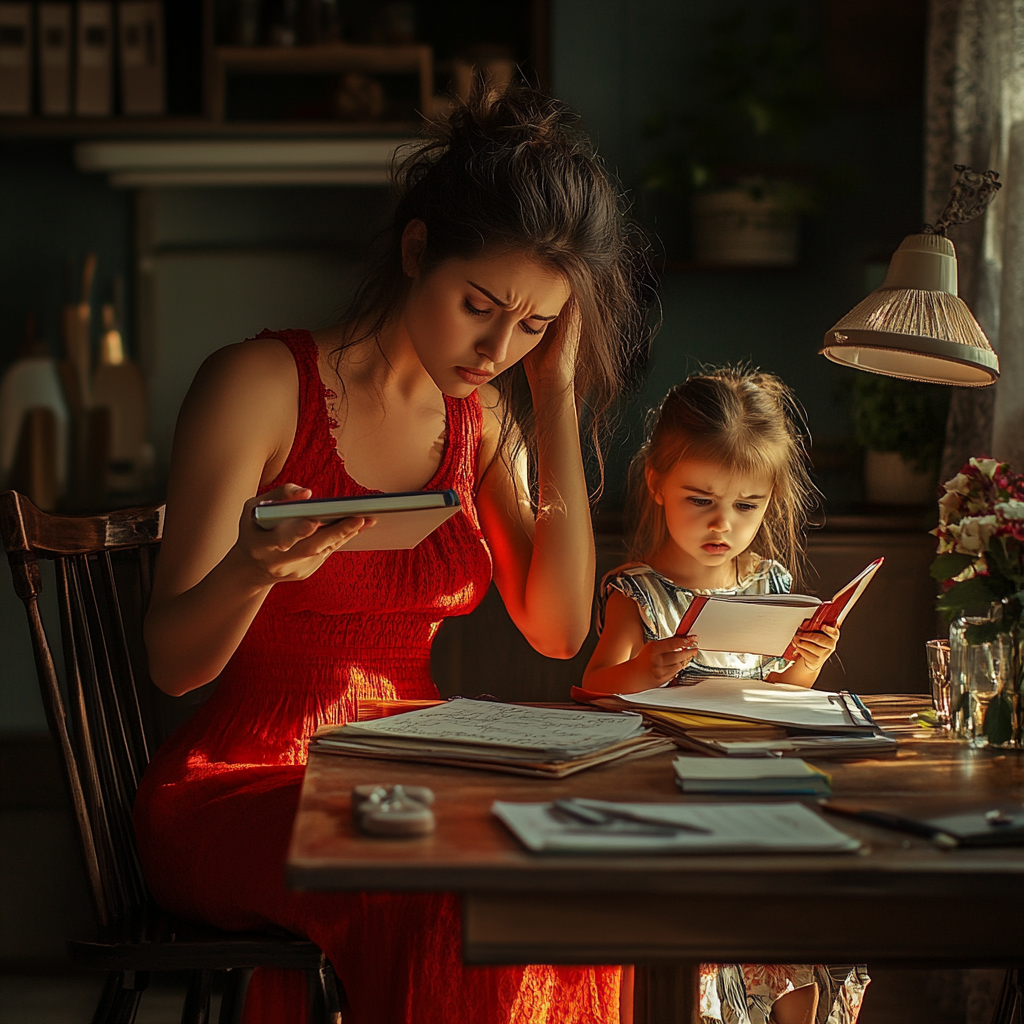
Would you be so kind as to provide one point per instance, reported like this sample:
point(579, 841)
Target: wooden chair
point(105, 721)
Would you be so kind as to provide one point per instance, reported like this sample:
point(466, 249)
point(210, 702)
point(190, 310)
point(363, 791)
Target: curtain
point(974, 114)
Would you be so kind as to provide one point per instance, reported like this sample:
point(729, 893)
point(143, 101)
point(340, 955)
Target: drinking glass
point(938, 672)
point(977, 672)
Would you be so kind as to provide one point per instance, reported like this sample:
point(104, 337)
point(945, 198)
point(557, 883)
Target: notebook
point(724, 828)
point(766, 623)
point(763, 775)
point(403, 518)
point(493, 736)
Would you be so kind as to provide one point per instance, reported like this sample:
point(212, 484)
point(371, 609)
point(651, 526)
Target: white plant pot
point(733, 228)
point(890, 480)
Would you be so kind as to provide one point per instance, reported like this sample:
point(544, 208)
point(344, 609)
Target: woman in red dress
point(505, 303)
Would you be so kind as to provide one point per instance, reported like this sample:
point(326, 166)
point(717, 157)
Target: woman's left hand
point(552, 364)
point(815, 647)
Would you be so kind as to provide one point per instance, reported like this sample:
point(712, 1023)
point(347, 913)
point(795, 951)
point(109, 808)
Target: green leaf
point(973, 593)
point(999, 719)
point(945, 567)
point(983, 632)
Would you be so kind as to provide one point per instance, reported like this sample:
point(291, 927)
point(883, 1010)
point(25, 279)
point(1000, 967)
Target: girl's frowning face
point(469, 320)
point(712, 512)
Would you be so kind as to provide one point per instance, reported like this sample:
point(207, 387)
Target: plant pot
point(890, 480)
point(732, 227)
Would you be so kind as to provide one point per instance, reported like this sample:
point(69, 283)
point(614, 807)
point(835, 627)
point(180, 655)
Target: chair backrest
point(104, 720)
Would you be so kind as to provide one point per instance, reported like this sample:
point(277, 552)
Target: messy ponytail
point(515, 172)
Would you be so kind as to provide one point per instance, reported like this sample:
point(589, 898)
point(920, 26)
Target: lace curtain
point(975, 115)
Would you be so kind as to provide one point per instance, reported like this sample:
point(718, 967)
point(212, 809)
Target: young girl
point(719, 501)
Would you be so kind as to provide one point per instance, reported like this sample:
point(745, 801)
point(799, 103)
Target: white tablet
point(403, 519)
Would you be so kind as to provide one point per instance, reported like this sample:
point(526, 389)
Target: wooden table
point(900, 900)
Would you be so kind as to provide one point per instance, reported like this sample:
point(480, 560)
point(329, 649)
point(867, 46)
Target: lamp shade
point(915, 326)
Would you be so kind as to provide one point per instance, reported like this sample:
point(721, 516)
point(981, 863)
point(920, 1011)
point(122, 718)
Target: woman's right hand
point(295, 548)
point(662, 660)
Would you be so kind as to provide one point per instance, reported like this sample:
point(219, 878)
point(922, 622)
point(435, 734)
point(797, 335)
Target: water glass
point(938, 672)
point(977, 672)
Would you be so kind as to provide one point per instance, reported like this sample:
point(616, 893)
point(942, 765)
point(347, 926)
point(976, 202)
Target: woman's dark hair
point(515, 172)
point(741, 418)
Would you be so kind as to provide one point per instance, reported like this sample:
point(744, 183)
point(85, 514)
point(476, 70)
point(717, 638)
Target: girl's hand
point(815, 647)
point(662, 660)
point(553, 362)
point(295, 548)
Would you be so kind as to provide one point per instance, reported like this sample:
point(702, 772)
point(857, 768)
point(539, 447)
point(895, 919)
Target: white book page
point(747, 627)
point(493, 724)
point(732, 828)
point(776, 703)
point(399, 531)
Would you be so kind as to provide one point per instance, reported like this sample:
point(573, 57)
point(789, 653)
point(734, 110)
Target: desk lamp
point(914, 326)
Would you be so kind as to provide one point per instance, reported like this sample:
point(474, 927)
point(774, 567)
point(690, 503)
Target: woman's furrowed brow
point(504, 303)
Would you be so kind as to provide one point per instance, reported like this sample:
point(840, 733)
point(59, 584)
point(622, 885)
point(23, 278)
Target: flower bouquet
point(981, 565)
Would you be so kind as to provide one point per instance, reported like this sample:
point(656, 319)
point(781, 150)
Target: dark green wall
point(619, 61)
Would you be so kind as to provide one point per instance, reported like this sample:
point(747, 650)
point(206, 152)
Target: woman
point(504, 304)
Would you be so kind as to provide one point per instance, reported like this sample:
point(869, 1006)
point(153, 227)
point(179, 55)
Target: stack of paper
point(516, 738)
point(750, 718)
point(703, 828)
point(761, 775)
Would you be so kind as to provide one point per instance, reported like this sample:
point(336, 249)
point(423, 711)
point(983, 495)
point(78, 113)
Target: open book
point(403, 518)
point(766, 623)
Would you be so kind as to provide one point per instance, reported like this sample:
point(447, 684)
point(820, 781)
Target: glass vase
point(983, 674)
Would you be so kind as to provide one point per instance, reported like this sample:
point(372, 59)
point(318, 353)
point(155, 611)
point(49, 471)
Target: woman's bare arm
point(543, 568)
point(216, 566)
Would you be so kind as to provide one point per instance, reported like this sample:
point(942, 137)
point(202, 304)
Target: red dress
point(215, 808)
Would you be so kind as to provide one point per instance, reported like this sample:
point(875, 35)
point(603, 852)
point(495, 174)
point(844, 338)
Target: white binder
point(55, 59)
point(141, 40)
point(94, 80)
point(15, 58)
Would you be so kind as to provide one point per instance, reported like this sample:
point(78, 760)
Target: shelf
point(184, 127)
point(139, 163)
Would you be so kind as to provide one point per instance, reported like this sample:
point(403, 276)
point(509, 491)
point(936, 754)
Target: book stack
point(515, 738)
point(748, 718)
point(762, 776)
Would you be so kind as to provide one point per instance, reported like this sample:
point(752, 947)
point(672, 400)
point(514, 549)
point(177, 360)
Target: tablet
point(403, 519)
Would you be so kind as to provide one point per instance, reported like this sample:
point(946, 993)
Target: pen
point(604, 816)
point(892, 821)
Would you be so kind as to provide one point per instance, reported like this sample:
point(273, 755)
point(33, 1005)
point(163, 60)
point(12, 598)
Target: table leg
point(666, 992)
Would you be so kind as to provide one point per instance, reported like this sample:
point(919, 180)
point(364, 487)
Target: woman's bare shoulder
point(255, 374)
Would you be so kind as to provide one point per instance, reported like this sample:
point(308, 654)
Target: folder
point(55, 59)
point(94, 82)
point(15, 58)
point(141, 38)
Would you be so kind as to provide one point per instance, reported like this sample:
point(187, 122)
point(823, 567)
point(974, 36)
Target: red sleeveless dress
point(215, 807)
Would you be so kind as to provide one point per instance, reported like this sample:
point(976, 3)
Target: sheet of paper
point(733, 828)
point(748, 627)
point(493, 724)
point(778, 703)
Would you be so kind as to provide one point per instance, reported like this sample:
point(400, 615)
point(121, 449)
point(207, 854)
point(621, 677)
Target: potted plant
point(754, 94)
point(902, 426)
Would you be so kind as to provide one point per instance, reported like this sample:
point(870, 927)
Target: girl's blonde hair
point(740, 418)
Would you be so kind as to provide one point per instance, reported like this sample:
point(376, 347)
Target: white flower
point(960, 484)
point(1009, 509)
point(986, 466)
point(949, 503)
point(975, 533)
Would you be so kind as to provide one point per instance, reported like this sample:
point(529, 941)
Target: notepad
point(490, 735)
point(730, 828)
point(763, 775)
